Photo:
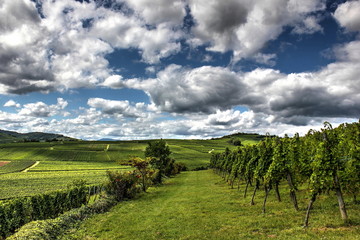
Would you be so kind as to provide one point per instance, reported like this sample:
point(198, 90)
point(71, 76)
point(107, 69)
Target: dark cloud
point(21, 12)
point(24, 89)
point(315, 102)
point(290, 99)
point(204, 89)
point(24, 72)
point(227, 16)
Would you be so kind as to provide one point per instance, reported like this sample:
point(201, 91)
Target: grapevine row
point(328, 160)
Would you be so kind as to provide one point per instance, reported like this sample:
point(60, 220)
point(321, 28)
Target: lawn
point(199, 205)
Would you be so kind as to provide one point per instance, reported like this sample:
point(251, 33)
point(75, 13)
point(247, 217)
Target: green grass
point(199, 205)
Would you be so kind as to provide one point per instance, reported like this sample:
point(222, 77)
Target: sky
point(142, 69)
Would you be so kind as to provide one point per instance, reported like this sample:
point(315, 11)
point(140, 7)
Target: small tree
point(142, 167)
point(159, 153)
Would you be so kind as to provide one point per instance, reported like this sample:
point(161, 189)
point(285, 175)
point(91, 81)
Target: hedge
point(16, 212)
point(53, 228)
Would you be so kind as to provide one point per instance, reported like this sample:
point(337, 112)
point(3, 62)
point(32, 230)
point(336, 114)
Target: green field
point(60, 163)
point(199, 205)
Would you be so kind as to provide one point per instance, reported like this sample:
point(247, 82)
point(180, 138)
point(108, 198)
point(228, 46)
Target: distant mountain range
point(10, 136)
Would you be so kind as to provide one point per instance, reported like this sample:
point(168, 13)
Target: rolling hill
point(11, 136)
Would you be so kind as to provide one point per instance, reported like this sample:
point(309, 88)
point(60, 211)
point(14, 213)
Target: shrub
point(122, 185)
point(200, 168)
point(182, 167)
point(156, 177)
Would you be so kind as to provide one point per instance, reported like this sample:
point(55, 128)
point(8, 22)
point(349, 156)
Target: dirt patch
point(3, 163)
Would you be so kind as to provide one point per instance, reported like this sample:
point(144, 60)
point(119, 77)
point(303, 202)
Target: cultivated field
point(60, 163)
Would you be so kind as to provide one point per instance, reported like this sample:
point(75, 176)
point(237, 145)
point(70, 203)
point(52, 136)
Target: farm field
point(60, 163)
point(199, 205)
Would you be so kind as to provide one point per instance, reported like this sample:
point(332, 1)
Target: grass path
point(198, 205)
point(32, 166)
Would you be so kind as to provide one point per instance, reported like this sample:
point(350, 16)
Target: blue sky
point(142, 69)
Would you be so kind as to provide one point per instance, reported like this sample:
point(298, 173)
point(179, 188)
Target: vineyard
point(61, 163)
point(292, 177)
point(324, 161)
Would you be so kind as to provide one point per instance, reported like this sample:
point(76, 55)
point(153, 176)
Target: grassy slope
point(198, 205)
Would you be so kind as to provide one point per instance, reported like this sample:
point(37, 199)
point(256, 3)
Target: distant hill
point(107, 140)
point(241, 134)
point(11, 136)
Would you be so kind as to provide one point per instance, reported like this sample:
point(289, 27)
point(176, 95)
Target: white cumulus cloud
point(41, 109)
point(347, 14)
point(12, 103)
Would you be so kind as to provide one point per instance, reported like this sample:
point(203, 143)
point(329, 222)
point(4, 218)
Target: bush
point(122, 185)
point(178, 167)
point(53, 228)
point(235, 142)
point(201, 168)
point(156, 178)
point(182, 167)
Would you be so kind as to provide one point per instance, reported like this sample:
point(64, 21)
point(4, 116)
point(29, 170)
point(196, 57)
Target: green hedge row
point(53, 228)
point(19, 211)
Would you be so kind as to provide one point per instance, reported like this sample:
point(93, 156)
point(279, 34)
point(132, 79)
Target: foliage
point(328, 160)
point(16, 212)
point(146, 173)
point(122, 185)
point(159, 154)
point(235, 141)
point(53, 228)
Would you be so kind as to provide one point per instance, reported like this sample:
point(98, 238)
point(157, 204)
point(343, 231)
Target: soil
point(3, 163)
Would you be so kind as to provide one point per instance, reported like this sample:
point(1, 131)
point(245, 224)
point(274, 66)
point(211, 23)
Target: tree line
point(327, 160)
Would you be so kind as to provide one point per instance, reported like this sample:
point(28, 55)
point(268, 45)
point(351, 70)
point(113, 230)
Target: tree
point(159, 153)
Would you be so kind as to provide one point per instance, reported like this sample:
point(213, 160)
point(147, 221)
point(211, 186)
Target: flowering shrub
point(123, 185)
